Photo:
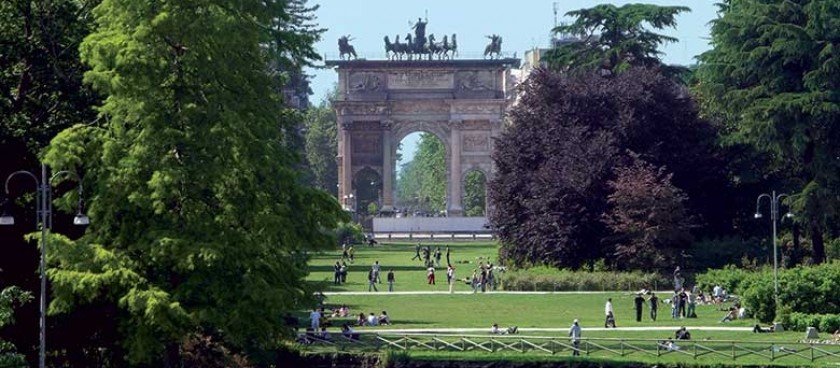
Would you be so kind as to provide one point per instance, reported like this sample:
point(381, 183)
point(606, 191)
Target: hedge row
point(806, 290)
point(826, 323)
point(548, 279)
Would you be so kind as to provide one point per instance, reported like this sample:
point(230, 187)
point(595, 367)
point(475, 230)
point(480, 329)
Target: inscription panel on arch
point(425, 79)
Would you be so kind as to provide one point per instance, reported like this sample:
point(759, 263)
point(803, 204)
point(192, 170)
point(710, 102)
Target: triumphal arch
point(379, 102)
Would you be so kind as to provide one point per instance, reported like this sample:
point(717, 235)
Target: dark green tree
point(10, 298)
point(41, 93)
point(569, 133)
point(613, 38)
point(647, 217)
point(321, 135)
point(201, 224)
point(771, 80)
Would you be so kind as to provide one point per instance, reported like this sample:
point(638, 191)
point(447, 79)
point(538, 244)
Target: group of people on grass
point(430, 259)
point(373, 320)
point(374, 278)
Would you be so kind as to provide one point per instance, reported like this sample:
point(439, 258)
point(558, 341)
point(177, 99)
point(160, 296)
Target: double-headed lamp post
point(43, 202)
point(775, 200)
point(348, 201)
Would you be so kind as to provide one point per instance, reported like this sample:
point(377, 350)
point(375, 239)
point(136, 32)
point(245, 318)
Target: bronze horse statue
point(495, 46)
point(452, 47)
point(345, 48)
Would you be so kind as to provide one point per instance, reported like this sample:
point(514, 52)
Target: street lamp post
point(775, 200)
point(43, 214)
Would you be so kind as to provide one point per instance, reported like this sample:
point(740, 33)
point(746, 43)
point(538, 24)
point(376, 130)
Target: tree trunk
point(818, 245)
point(172, 356)
point(796, 250)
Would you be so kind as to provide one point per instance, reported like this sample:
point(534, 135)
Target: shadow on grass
point(364, 268)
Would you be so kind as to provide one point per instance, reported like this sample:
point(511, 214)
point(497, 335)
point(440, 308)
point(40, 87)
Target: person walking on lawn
point(450, 278)
point(608, 311)
point(416, 252)
point(391, 280)
point(654, 304)
point(639, 301)
point(574, 333)
point(372, 281)
point(430, 276)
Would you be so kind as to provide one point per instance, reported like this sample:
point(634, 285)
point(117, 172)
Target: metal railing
point(597, 347)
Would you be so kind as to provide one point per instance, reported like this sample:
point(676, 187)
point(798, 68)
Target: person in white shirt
point(450, 278)
point(376, 270)
point(574, 333)
point(315, 319)
point(608, 310)
point(372, 320)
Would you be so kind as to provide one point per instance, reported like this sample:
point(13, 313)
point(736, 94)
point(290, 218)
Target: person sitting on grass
point(682, 334)
point(836, 336)
point(384, 319)
point(325, 335)
point(731, 315)
point(759, 329)
point(347, 332)
point(670, 345)
point(344, 311)
point(361, 320)
point(372, 320)
point(495, 330)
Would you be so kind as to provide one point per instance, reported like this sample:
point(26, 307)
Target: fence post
point(733, 351)
point(434, 342)
point(622, 347)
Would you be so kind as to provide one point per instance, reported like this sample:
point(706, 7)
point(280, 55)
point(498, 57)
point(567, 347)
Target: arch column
point(454, 204)
point(387, 167)
point(346, 187)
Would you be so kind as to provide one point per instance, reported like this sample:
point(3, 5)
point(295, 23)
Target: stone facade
point(462, 102)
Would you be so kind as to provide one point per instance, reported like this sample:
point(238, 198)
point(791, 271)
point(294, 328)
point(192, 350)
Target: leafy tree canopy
point(613, 38)
point(200, 223)
point(321, 138)
point(568, 135)
point(772, 80)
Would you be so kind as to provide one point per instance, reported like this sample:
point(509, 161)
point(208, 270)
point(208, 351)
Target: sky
point(523, 25)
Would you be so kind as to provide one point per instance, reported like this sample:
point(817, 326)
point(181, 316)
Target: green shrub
point(804, 289)
point(827, 323)
point(549, 279)
point(349, 232)
point(729, 278)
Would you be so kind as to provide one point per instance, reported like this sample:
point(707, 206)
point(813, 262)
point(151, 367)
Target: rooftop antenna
point(554, 4)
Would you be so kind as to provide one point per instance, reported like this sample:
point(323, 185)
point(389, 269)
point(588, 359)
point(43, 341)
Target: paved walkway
point(328, 293)
point(548, 329)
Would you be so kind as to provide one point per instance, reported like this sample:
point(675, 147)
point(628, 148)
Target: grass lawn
point(526, 311)
point(410, 274)
point(523, 310)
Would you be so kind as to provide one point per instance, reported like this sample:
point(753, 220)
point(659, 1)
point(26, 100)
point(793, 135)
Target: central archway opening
point(421, 176)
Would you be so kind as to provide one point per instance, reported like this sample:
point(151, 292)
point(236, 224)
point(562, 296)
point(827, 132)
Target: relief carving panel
point(365, 82)
point(424, 79)
point(474, 80)
point(476, 141)
point(367, 143)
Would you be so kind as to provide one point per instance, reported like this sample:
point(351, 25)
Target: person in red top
point(430, 276)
